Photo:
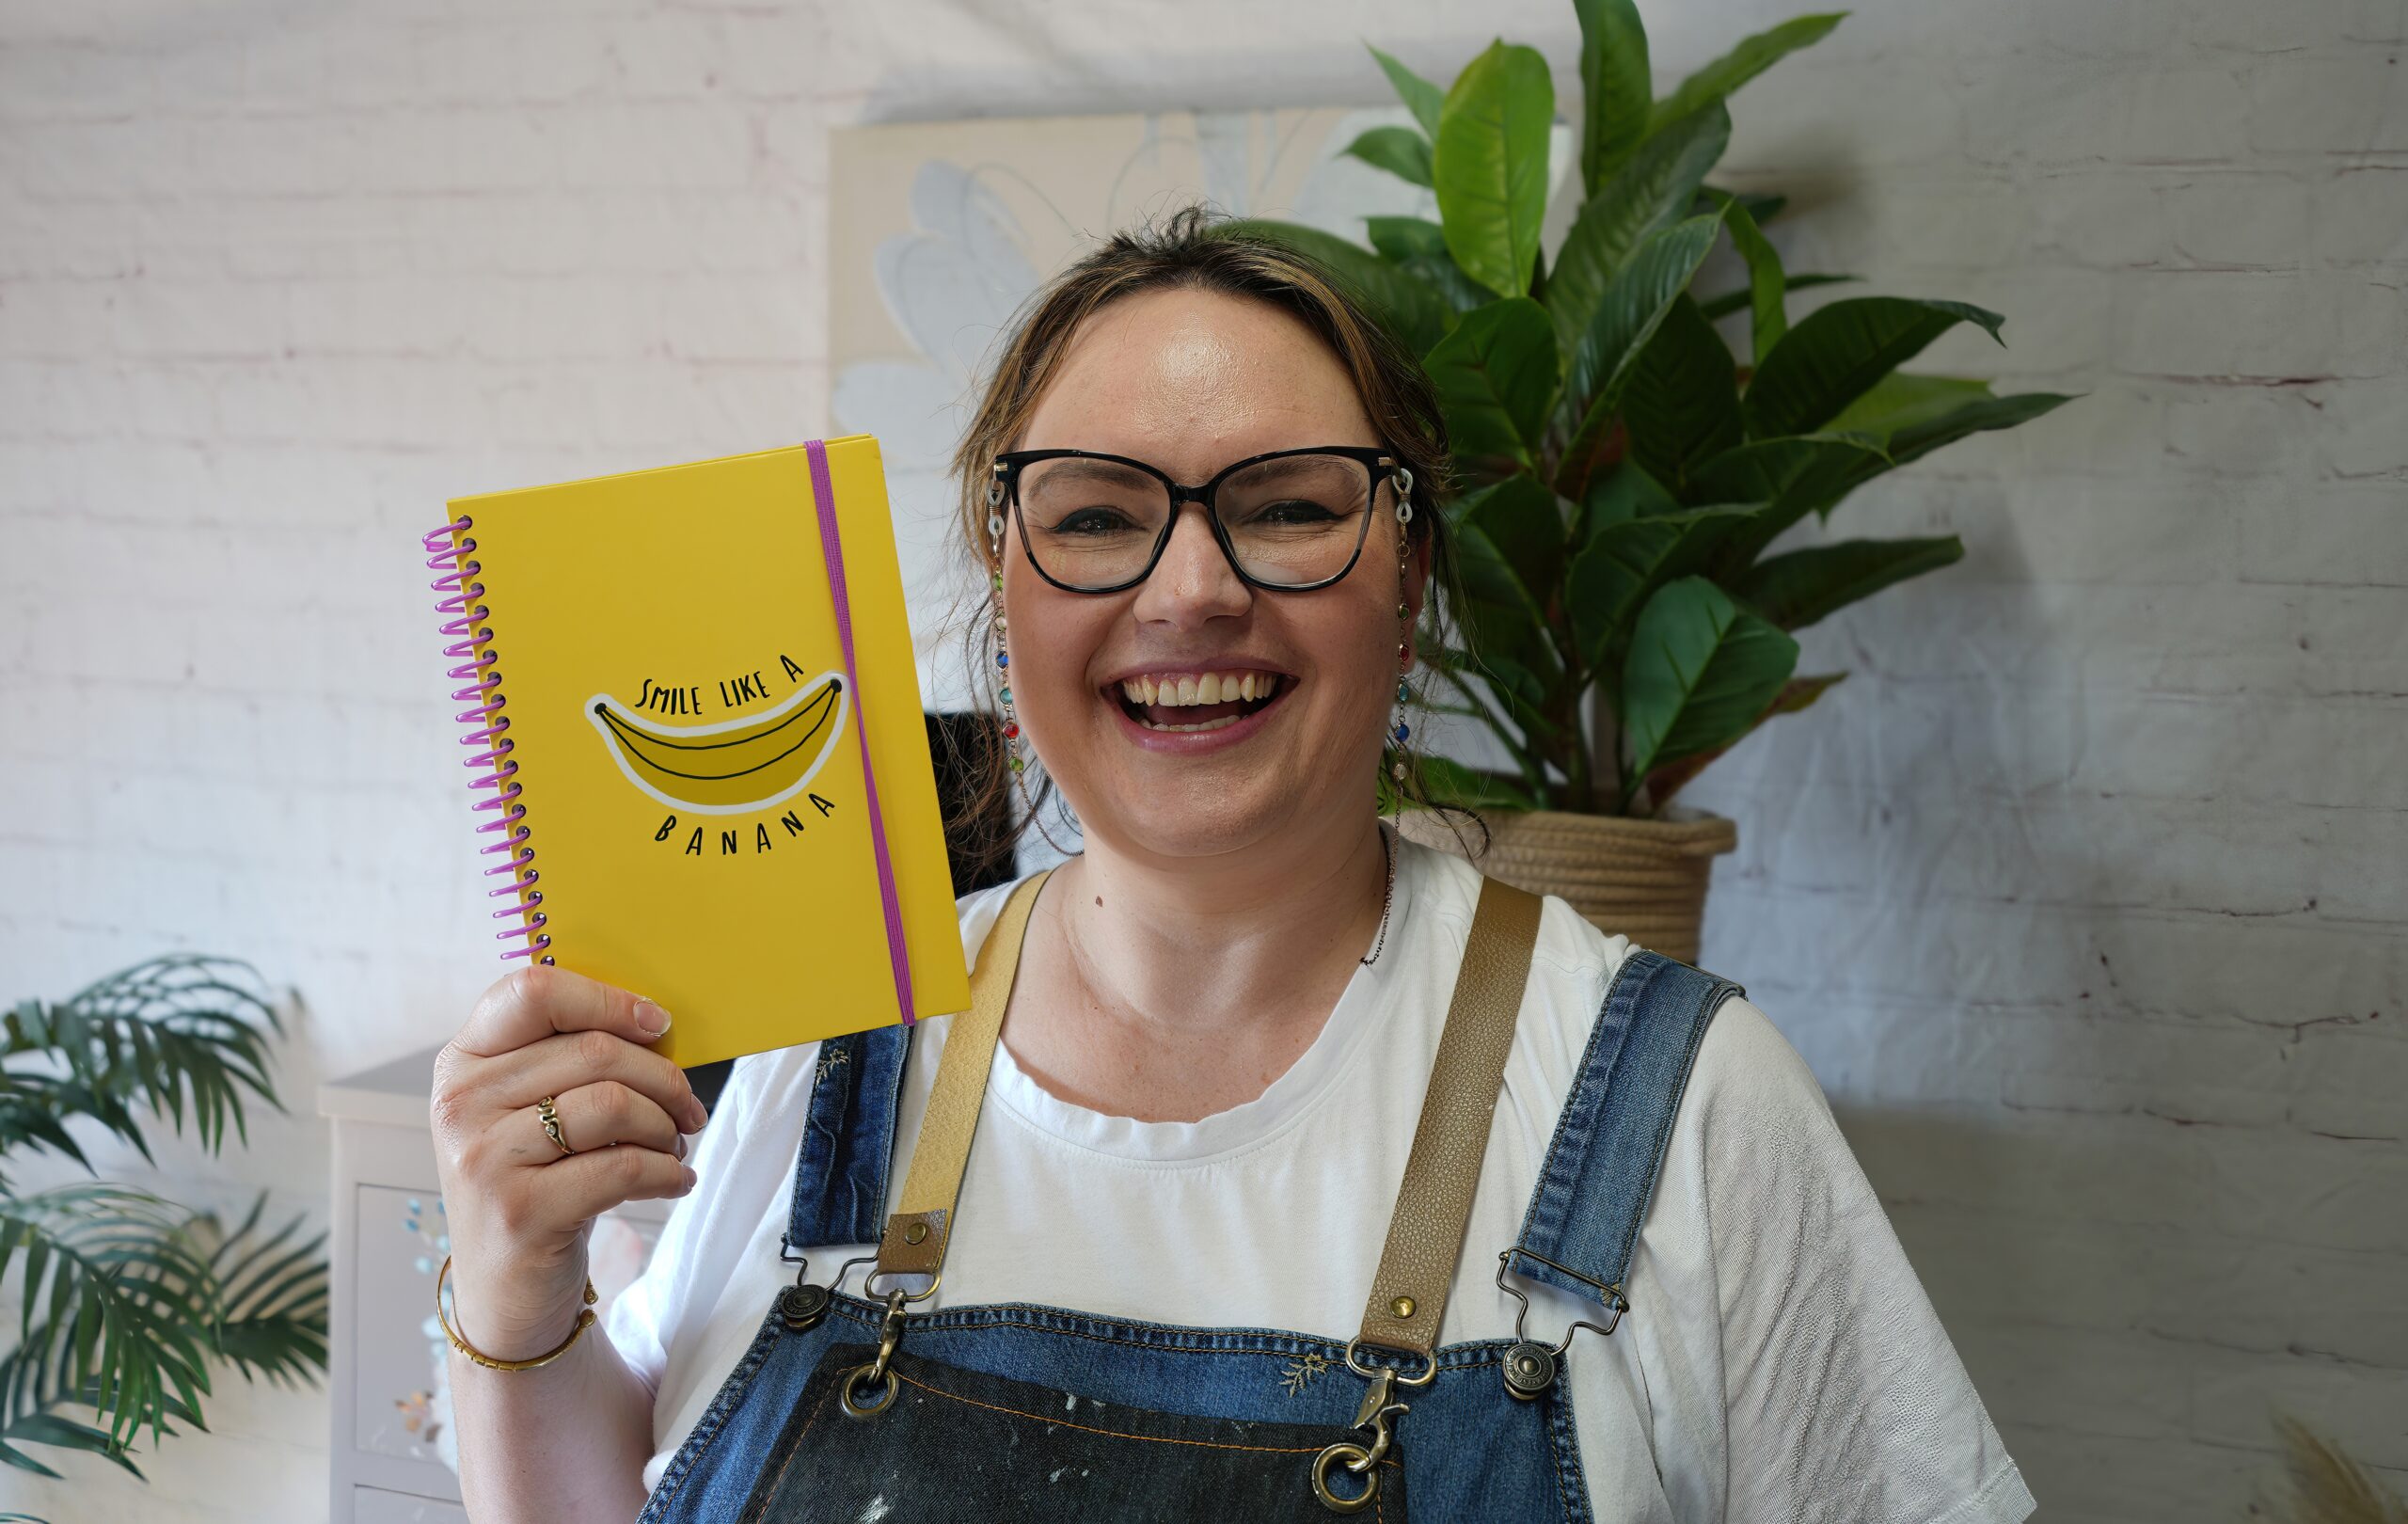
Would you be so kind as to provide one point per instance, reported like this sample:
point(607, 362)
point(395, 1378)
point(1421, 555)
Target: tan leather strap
point(1433, 1204)
point(916, 1232)
point(1426, 1231)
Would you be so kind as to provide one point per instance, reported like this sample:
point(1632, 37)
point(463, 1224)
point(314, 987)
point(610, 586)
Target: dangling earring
point(1400, 732)
point(1002, 629)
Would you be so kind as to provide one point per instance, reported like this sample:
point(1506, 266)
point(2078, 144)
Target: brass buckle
point(1529, 1365)
point(1378, 1406)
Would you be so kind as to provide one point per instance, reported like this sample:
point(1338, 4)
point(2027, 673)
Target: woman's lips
point(1183, 729)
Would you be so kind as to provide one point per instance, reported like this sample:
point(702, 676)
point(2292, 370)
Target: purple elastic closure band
point(823, 494)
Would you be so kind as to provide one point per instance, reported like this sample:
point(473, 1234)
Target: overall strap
point(848, 1139)
point(1609, 1147)
point(914, 1240)
point(1433, 1204)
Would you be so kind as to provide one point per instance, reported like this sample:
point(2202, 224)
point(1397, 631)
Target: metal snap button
point(802, 1306)
point(1529, 1369)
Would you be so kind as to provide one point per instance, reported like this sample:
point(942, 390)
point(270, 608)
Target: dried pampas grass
point(2322, 1486)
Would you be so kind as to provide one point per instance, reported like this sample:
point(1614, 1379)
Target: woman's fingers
point(596, 1116)
point(529, 1004)
point(554, 1065)
point(588, 1182)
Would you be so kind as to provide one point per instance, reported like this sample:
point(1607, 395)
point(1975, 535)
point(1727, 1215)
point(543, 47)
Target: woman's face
point(1190, 382)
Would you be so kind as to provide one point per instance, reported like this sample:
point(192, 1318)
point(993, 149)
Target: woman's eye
point(1092, 521)
point(1292, 510)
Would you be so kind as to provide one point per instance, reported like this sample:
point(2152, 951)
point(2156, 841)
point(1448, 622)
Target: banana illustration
point(733, 765)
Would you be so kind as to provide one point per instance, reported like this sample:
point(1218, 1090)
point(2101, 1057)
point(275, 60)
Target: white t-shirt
point(1780, 1361)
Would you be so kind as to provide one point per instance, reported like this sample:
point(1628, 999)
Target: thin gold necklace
point(1388, 898)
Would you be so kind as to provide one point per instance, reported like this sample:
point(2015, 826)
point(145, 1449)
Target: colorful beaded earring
point(1400, 732)
point(1002, 626)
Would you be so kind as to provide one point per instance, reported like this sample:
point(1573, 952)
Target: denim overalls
point(844, 1409)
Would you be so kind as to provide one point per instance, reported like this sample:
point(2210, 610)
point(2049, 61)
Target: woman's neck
point(1173, 989)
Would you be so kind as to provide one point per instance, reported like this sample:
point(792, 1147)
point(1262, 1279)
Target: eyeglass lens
point(1290, 520)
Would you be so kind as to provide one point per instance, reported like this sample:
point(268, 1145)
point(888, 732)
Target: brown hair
point(1190, 250)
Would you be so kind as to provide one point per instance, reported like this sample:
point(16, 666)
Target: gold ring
point(552, 1120)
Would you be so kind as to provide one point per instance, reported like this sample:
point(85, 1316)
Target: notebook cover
point(667, 652)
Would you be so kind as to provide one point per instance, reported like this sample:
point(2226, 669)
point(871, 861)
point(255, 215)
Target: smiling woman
point(1237, 365)
point(1280, 1165)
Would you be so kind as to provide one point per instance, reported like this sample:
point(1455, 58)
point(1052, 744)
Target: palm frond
point(117, 1313)
point(272, 1296)
point(184, 1034)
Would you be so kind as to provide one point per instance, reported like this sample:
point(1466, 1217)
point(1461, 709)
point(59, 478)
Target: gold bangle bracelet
point(584, 1321)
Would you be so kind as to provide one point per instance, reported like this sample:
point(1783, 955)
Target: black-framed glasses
point(1290, 520)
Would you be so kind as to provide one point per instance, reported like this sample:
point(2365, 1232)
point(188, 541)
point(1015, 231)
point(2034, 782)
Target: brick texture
point(2084, 895)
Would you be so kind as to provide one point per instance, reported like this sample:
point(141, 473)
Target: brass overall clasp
point(877, 1374)
point(1530, 1366)
point(1378, 1406)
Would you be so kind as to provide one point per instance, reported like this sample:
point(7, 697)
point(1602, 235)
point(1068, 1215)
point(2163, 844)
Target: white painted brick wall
point(2084, 895)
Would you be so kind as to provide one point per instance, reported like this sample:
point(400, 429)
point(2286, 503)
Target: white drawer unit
point(393, 1453)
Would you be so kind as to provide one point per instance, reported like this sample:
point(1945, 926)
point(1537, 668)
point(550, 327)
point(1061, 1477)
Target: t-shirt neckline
point(1358, 1013)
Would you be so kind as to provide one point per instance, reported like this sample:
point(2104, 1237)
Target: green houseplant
point(129, 1299)
point(1623, 472)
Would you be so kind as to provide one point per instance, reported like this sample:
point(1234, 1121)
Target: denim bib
point(1019, 1412)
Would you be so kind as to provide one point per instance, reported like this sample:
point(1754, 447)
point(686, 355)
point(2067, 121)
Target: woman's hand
point(517, 1208)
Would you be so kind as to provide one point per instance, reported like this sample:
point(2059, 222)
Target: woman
point(1179, 1268)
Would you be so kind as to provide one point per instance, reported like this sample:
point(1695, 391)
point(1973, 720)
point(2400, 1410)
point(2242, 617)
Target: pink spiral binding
point(472, 648)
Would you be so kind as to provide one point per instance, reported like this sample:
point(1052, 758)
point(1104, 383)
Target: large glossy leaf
point(1766, 281)
point(1898, 400)
point(1701, 671)
point(1722, 304)
point(1796, 588)
point(1513, 688)
point(1838, 354)
point(1448, 782)
point(1628, 313)
point(1918, 437)
point(1503, 617)
point(1761, 205)
point(1752, 56)
point(1654, 190)
point(1624, 562)
point(1617, 90)
point(1399, 151)
point(1418, 245)
point(1625, 492)
point(1490, 165)
point(1497, 375)
point(1414, 312)
point(1525, 521)
point(1796, 695)
point(1423, 99)
point(1793, 477)
point(1682, 406)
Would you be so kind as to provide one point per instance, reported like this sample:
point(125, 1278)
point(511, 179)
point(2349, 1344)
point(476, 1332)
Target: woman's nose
point(1193, 580)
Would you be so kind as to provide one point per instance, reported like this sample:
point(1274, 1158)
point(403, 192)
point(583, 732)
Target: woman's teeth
point(1222, 722)
point(1211, 688)
point(1158, 691)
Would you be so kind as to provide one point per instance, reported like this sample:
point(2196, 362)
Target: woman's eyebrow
point(1075, 467)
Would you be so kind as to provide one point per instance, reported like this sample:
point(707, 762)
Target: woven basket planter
point(1643, 879)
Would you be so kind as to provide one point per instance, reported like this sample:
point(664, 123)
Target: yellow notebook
point(668, 734)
